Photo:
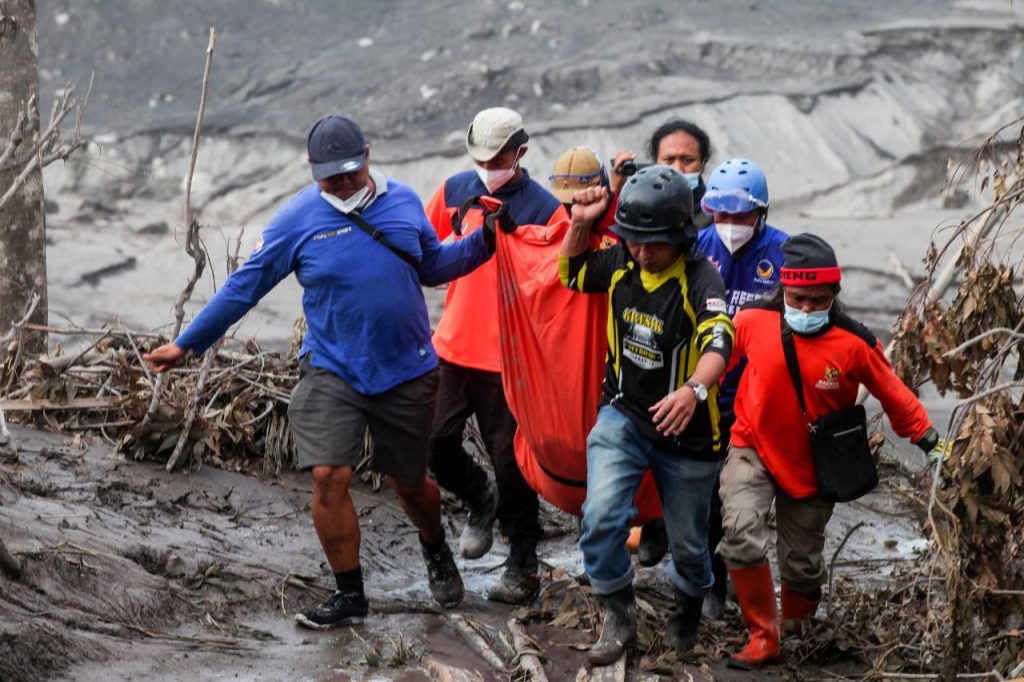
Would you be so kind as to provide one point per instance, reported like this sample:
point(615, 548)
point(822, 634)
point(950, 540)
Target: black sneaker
point(341, 608)
point(445, 581)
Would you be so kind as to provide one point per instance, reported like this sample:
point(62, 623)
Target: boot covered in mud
point(681, 629)
point(755, 593)
point(519, 583)
point(618, 629)
point(797, 611)
point(478, 535)
point(341, 608)
point(442, 573)
point(653, 543)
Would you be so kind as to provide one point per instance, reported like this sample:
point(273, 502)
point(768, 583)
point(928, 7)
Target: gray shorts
point(329, 419)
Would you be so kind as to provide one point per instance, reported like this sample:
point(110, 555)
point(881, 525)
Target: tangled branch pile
point(239, 418)
point(972, 345)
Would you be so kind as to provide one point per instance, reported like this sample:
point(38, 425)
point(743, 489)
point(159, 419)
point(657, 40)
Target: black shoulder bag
point(843, 463)
point(369, 229)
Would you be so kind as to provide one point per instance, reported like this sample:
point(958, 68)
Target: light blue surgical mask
point(805, 323)
point(693, 179)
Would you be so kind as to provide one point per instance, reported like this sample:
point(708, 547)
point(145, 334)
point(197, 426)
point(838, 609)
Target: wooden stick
point(528, 652)
point(33, 404)
point(193, 247)
point(193, 407)
point(476, 640)
point(614, 672)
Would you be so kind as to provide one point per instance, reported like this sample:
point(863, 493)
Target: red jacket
point(833, 364)
point(467, 333)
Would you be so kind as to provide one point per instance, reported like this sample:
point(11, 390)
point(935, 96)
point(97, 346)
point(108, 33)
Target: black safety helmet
point(656, 205)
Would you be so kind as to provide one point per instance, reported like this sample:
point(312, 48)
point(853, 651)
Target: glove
point(941, 452)
point(502, 219)
point(494, 219)
point(936, 449)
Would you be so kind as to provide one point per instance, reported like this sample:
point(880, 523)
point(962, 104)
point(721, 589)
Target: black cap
point(335, 145)
point(808, 260)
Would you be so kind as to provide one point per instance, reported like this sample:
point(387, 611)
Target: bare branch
point(193, 244)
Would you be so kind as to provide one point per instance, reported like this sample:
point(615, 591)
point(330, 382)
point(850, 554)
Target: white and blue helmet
point(735, 186)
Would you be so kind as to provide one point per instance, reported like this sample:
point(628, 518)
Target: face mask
point(805, 323)
point(734, 236)
point(353, 203)
point(693, 179)
point(495, 179)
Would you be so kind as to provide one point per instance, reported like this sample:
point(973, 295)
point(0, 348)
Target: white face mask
point(734, 236)
point(496, 179)
point(353, 203)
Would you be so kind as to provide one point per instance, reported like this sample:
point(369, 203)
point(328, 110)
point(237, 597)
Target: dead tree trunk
point(22, 224)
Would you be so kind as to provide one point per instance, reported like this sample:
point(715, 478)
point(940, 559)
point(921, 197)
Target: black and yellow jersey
point(658, 327)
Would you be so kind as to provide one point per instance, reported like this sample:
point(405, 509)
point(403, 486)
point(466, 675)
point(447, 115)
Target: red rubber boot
point(797, 611)
point(755, 593)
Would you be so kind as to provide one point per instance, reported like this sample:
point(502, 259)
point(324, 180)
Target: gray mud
point(130, 572)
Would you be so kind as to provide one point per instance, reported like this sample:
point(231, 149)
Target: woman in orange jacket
point(770, 454)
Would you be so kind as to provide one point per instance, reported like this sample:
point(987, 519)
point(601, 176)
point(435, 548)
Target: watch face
point(699, 390)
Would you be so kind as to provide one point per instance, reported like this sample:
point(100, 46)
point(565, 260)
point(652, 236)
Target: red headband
point(808, 277)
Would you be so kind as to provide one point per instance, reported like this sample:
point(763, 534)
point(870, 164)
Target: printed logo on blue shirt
point(332, 233)
point(765, 270)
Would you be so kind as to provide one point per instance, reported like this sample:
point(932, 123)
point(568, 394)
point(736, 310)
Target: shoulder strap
point(369, 229)
point(789, 350)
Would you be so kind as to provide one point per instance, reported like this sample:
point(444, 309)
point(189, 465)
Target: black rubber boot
point(519, 583)
point(478, 535)
point(618, 629)
point(443, 575)
point(653, 543)
point(681, 630)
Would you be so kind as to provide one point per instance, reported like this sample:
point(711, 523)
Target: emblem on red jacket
point(830, 382)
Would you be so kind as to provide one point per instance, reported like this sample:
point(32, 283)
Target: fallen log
point(32, 404)
point(528, 653)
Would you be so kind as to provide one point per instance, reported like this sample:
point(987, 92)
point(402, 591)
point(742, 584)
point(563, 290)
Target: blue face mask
point(805, 323)
point(693, 179)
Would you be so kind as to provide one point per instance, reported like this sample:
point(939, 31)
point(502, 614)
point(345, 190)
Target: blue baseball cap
point(335, 145)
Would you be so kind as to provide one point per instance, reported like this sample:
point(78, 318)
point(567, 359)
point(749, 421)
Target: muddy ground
point(131, 572)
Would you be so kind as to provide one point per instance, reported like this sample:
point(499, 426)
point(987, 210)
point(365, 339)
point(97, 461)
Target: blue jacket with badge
point(749, 274)
point(366, 317)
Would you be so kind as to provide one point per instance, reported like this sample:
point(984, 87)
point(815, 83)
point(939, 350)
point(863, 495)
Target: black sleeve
point(706, 293)
point(592, 271)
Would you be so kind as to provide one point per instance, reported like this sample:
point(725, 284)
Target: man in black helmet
point(669, 339)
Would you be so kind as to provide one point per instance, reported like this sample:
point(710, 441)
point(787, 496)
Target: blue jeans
point(618, 454)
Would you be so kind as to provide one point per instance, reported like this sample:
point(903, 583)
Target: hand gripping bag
point(553, 345)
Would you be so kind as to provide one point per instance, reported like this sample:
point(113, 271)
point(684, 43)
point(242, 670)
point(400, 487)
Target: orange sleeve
point(439, 215)
point(739, 350)
point(907, 415)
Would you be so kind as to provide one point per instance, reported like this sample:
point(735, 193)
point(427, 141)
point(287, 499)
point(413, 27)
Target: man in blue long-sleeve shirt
point(366, 359)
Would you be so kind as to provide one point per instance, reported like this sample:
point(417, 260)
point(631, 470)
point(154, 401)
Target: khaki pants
point(747, 490)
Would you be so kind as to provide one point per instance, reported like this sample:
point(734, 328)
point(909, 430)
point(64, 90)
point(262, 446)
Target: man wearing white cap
point(466, 340)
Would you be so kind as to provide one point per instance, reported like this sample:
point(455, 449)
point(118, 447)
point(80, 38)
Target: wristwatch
point(699, 390)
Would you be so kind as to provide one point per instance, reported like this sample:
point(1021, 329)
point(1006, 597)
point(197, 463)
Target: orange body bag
point(553, 345)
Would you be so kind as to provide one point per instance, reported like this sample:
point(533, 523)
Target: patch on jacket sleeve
point(716, 305)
